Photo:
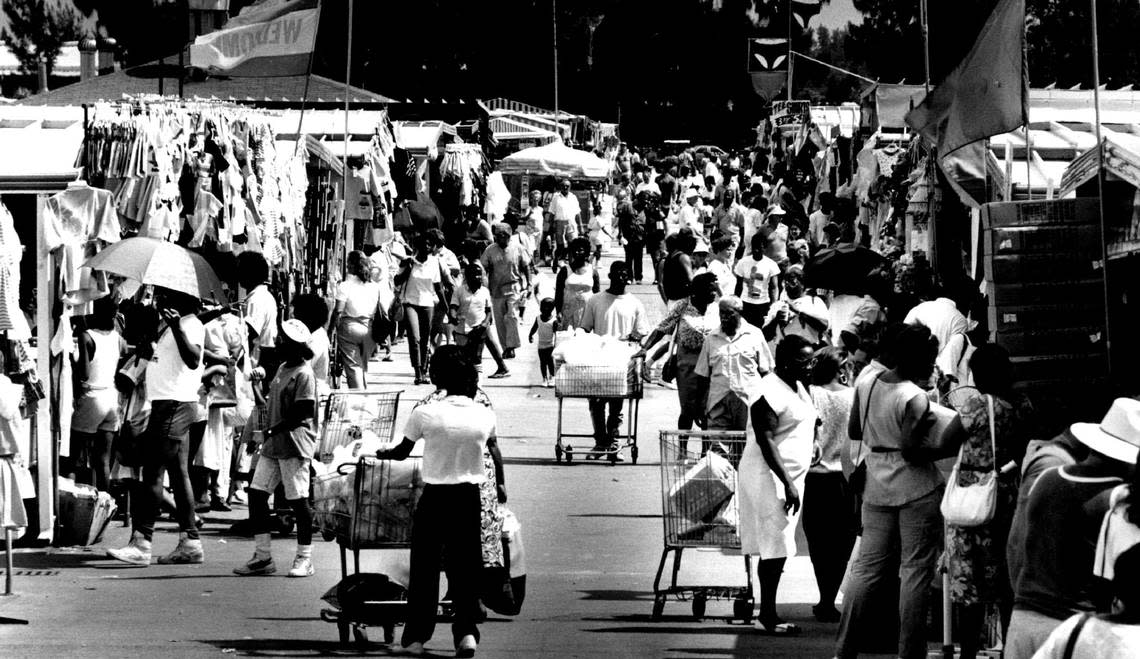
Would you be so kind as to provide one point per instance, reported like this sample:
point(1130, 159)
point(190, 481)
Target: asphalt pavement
point(593, 540)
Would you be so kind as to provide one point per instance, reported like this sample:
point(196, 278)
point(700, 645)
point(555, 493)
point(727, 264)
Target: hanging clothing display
point(12, 318)
point(77, 222)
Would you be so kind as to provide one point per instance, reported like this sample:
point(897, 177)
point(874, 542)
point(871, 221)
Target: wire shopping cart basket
point(621, 382)
point(698, 499)
point(369, 504)
point(352, 416)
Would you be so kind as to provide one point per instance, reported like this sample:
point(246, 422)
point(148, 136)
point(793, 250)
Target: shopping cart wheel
point(658, 607)
point(633, 454)
point(360, 635)
point(569, 453)
point(558, 454)
point(699, 602)
point(742, 609)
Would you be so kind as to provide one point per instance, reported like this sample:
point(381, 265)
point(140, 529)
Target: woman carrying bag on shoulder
point(902, 523)
point(996, 425)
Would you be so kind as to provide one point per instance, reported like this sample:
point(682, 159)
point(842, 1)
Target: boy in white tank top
point(95, 418)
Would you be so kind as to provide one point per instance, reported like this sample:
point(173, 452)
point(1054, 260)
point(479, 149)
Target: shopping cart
point(698, 494)
point(621, 381)
point(351, 416)
point(368, 504)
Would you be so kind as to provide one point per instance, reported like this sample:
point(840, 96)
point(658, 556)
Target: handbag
point(503, 587)
point(858, 478)
point(972, 505)
point(669, 368)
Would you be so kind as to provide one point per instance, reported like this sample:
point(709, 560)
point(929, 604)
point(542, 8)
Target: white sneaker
point(466, 646)
point(187, 552)
point(302, 567)
point(137, 551)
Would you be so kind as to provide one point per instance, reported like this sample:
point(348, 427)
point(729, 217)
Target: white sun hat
point(1117, 435)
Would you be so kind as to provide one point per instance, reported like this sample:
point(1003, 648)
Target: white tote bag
point(972, 505)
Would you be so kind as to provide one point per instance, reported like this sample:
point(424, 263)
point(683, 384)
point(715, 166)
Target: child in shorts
point(95, 419)
point(545, 326)
point(286, 453)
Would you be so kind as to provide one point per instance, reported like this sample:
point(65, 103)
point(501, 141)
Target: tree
point(36, 31)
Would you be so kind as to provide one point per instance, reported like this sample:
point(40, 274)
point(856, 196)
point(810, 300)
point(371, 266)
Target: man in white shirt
point(690, 213)
point(261, 315)
point(173, 377)
point(734, 358)
point(945, 322)
point(820, 219)
point(566, 216)
point(613, 312)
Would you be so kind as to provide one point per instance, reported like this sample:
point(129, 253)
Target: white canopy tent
point(556, 159)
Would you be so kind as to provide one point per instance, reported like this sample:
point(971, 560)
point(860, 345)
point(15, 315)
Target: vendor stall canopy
point(556, 159)
point(40, 144)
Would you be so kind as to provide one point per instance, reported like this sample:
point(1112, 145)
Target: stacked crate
point(1045, 279)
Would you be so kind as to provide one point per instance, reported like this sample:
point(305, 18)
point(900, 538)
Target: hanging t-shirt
point(71, 219)
point(358, 194)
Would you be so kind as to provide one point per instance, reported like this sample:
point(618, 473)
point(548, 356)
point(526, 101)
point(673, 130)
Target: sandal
point(777, 628)
point(497, 375)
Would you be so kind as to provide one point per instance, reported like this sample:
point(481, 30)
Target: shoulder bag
point(972, 505)
point(669, 368)
point(1071, 644)
point(859, 477)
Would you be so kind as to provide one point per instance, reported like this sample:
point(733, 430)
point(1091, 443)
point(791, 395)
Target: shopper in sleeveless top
point(902, 524)
point(96, 417)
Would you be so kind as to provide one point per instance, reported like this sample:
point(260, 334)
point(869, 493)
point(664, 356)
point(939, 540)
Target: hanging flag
point(987, 94)
point(803, 10)
point(768, 65)
point(267, 39)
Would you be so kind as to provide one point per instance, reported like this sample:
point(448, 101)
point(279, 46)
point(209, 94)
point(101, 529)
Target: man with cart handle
point(613, 312)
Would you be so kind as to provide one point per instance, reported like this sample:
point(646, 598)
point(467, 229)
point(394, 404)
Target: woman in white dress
point(781, 435)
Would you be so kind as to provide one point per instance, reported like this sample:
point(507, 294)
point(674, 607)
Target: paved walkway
point(593, 541)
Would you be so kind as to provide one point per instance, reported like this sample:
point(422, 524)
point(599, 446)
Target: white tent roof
point(556, 159)
point(39, 146)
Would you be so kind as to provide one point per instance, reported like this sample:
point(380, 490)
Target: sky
point(838, 13)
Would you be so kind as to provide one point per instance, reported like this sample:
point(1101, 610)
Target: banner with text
point(280, 46)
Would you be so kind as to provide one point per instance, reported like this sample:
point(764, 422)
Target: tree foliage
point(37, 29)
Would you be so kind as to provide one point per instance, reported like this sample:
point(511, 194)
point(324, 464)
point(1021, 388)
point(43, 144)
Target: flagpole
point(922, 10)
point(789, 50)
point(347, 135)
point(308, 77)
point(1100, 182)
point(554, 43)
point(1028, 136)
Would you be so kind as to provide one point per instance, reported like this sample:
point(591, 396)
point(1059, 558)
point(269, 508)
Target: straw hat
point(1118, 433)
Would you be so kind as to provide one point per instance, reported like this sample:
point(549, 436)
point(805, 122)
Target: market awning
point(1121, 158)
point(556, 159)
point(39, 148)
point(422, 137)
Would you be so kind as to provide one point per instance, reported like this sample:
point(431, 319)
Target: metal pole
point(924, 16)
point(308, 79)
point(347, 108)
point(554, 26)
point(789, 10)
point(1100, 181)
point(7, 561)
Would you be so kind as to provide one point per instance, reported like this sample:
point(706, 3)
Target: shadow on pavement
point(270, 647)
point(617, 515)
point(42, 560)
point(617, 596)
